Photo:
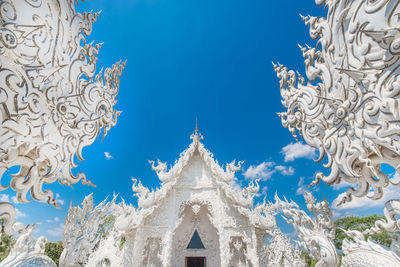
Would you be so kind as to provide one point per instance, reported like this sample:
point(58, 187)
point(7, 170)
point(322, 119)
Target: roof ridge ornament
point(196, 136)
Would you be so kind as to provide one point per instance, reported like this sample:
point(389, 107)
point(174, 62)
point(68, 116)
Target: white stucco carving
point(7, 216)
point(362, 251)
point(83, 230)
point(347, 108)
point(316, 234)
point(281, 252)
point(27, 251)
point(52, 104)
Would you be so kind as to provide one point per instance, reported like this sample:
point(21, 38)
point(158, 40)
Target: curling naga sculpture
point(52, 104)
point(348, 107)
point(315, 234)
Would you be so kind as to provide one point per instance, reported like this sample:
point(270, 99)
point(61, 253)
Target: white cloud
point(266, 169)
point(4, 198)
point(365, 202)
point(59, 200)
point(298, 150)
point(301, 187)
point(236, 185)
point(262, 171)
point(108, 156)
point(285, 170)
point(56, 219)
point(264, 191)
point(58, 231)
point(19, 214)
point(14, 200)
point(340, 186)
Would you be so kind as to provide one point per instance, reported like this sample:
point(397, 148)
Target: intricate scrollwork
point(316, 234)
point(280, 252)
point(361, 252)
point(348, 109)
point(81, 230)
point(51, 102)
point(27, 251)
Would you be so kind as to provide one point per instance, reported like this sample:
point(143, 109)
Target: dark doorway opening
point(195, 261)
point(195, 242)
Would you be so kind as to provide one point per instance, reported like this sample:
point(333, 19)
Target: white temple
point(195, 218)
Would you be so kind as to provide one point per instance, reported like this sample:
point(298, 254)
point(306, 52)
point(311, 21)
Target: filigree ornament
point(52, 104)
point(315, 234)
point(168, 178)
point(238, 252)
point(82, 230)
point(27, 251)
point(280, 252)
point(348, 107)
point(361, 252)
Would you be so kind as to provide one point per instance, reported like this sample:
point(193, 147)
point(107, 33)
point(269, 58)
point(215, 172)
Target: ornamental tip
point(196, 130)
point(196, 136)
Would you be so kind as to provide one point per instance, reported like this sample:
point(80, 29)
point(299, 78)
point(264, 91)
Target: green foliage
point(106, 226)
point(309, 261)
point(121, 244)
point(7, 242)
point(53, 250)
point(360, 224)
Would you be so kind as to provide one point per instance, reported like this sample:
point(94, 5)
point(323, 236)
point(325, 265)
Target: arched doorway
point(195, 240)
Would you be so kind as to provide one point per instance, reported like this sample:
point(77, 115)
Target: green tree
point(6, 243)
point(53, 250)
point(309, 261)
point(360, 224)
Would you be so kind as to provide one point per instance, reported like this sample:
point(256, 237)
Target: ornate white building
point(195, 218)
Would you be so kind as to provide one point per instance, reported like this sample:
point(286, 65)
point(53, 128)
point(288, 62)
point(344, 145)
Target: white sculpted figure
point(366, 252)
point(81, 230)
point(316, 235)
point(27, 251)
point(281, 252)
point(7, 215)
point(348, 107)
point(52, 104)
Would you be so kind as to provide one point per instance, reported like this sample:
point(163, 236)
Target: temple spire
point(196, 136)
point(197, 129)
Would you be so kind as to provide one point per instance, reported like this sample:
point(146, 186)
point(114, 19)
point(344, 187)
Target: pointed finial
point(196, 136)
point(197, 129)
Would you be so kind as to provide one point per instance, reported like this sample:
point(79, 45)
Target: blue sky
point(186, 59)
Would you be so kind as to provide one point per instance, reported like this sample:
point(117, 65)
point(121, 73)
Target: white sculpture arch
point(52, 102)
